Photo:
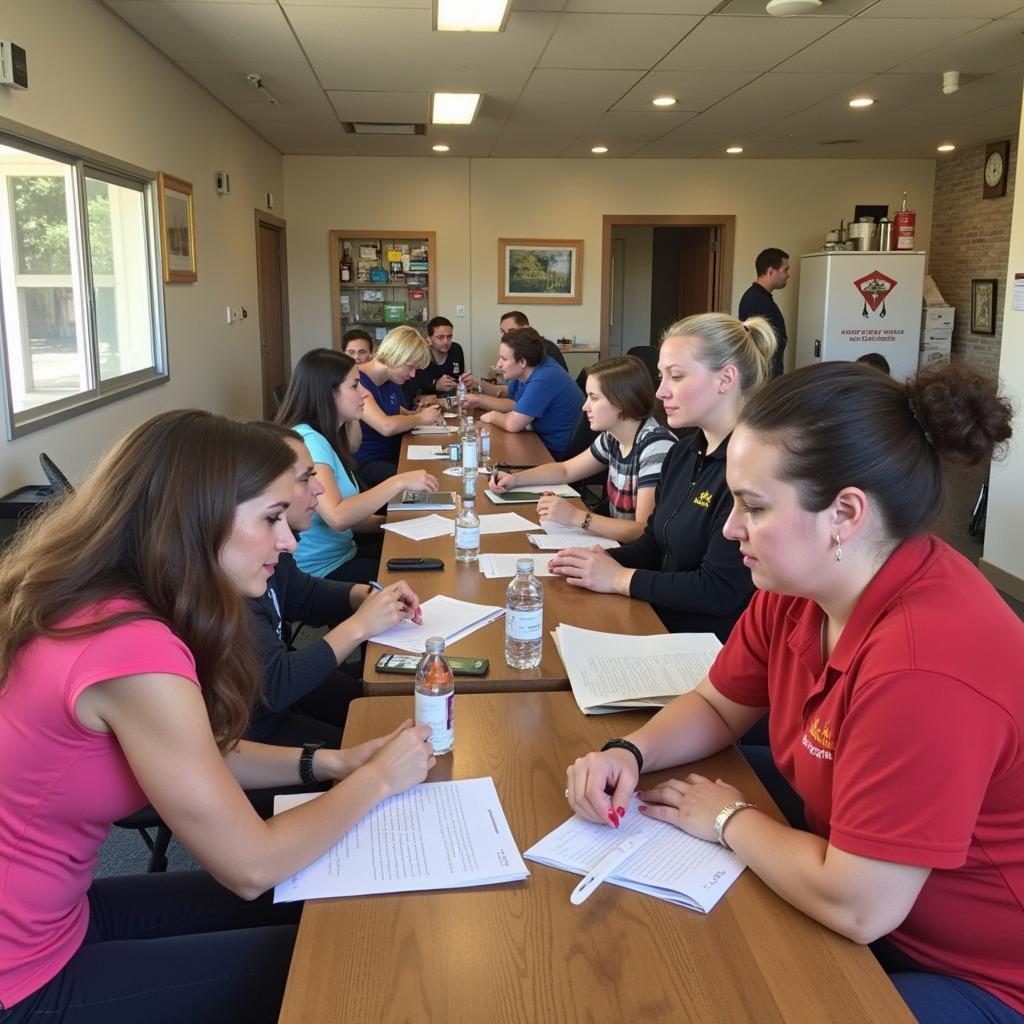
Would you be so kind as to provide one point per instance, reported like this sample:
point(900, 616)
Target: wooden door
point(618, 305)
point(695, 271)
point(272, 276)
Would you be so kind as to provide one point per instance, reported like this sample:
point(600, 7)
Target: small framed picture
point(539, 270)
point(177, 229)
point(368, 252)
point(983, 305)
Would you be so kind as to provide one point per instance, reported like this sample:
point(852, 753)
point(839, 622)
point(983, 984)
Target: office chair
point(648, 355)
point(551, 349)
point(59, 483)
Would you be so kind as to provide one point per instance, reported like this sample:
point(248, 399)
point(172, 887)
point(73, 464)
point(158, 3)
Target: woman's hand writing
point(599, 785)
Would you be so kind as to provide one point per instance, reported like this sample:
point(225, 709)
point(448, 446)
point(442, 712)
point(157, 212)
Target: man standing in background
point(772, 267)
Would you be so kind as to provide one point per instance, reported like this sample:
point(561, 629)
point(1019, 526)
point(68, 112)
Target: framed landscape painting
point(177, 229)
point(532, 271)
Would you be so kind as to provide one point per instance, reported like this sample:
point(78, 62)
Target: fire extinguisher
point(903, 225)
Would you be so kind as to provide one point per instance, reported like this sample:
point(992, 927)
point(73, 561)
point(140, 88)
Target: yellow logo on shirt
point(818, 740)
point(703, 499)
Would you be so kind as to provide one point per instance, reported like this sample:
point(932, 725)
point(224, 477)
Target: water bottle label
point(524, 625)
point(439, 713)
point(469, 459)
point(467, 537)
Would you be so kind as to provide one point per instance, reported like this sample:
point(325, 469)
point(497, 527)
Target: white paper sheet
point(437, 835)
point(423, 527)
point(425, 453)
point(611, 670)
point(457, 471)
point(434, 429)
point(500, 566)
point(442, 616)
point(561, 490)
point(504, 522)
point(577, 539)
point(670, 865)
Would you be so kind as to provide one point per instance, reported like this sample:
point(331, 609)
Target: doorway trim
point(263, 218)
point(722, 284)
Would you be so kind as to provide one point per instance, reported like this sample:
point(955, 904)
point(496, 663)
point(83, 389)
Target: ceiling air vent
point(383, 128)
point(839, 142)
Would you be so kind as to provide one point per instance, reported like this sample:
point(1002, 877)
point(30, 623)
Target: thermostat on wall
point(13, 65)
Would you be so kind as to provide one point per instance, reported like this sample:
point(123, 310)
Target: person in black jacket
point(772, 268)
point(447, 363)
point(682, 564)
point(305, 693)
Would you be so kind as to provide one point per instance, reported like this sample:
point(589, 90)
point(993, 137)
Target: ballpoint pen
point(417, 615)
point(606, 865)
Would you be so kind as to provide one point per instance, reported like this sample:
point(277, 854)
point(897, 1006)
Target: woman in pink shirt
point(126, 675)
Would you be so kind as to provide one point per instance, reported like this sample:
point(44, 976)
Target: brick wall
point(970, 238)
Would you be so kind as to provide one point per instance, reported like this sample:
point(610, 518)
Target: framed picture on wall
point(538, 271)
point(983, 305)
point(177, 229)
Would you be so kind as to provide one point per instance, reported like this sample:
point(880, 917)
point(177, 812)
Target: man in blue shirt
point(540, 393)
point(772, 268)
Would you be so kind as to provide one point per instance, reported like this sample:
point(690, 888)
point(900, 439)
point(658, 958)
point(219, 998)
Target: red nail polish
point(643, 807)
point(613, 819)
point(620, 811)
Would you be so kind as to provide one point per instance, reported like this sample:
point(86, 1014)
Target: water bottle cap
point(435, 645)
point(524, 565)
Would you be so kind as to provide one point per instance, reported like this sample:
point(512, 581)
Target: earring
point(839, 547)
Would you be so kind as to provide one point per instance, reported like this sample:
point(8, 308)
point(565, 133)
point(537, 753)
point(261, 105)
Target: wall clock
point(997, 157)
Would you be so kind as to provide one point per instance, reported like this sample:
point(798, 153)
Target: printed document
point(575, 539)
point(504, 522)
point(670, 865)
point(424, 453)
point(442, 616)
point(612, 671)
point(501, 566)
point(423, 527)
point(528, 495)
point(437, 835)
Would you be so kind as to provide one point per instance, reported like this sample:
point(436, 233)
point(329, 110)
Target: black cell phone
point(414, 564)
point(406, 665)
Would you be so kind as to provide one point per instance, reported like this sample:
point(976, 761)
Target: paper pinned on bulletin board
point(1018, 292)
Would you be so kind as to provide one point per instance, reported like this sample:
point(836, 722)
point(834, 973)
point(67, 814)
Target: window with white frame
point(79, 297)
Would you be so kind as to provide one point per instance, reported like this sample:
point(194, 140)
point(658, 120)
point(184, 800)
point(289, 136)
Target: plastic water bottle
point(470, 459)
point(460, 399)
point(435, 696)
point(524, 617)
point(467, 532)
point(485, 447)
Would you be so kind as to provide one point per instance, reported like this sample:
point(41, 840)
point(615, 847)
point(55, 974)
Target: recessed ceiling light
point(470, 15)
point(947, 147)
point(440, 148)
point(862, 101)
point(734, 150)
point(664, 101)
point(455, 107)
point(598, 149)
point(791, 8)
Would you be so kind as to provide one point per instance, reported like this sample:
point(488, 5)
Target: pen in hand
point(417, 615)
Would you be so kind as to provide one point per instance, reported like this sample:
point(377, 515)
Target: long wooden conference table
point(517, 953)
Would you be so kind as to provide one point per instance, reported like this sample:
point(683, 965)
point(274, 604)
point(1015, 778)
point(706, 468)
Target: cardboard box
point(937, 316)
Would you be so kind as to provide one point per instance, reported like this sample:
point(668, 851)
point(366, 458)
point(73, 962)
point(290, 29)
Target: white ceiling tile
point(294, 86)
point(212, 31)
point(694, 90)
point(418, 4)
point(381, 106)
point(831, 8)
point(642, 6)
point(941, 8)
point(992, 47)
point(864, 45)
point(629, 126)
point(554, 93)
point(300, 137)
point(1019, 13)
point(744, 44)
point(538, 5)
point(614, 40)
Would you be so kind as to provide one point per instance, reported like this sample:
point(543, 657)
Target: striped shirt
point(640, 468)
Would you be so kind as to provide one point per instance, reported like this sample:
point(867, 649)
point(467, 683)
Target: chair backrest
point(59, 483)
point(648, 355)
point(551, 349)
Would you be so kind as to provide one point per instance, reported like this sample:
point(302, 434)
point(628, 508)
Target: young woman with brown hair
point(891, 671)
point(127, 671)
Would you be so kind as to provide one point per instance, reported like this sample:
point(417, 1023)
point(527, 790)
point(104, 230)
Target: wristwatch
point(585, 525)
point(725, 816)
point(306, 763)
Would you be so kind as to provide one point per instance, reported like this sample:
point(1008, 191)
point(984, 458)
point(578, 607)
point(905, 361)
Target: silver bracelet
point(725, 816)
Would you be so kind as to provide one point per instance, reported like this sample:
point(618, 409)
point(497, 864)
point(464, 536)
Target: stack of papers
point(612, 671)
point(499, 566)
point(437, 835)
point(670, 864)
point(442, 616)
point(529, 495)
point(423, 527)
point(577, 539)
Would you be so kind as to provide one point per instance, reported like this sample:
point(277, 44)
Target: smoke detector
point(791, 8)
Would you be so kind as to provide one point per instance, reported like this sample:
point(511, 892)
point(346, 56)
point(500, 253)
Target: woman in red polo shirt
point(891, 671)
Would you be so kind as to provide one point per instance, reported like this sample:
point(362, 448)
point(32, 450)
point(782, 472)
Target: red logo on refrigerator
point(874, 289)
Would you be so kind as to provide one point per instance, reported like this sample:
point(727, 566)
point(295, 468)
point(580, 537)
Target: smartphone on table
point(406, 665)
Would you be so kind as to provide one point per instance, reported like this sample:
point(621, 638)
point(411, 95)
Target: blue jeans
point(168, 948)
point(932, 998)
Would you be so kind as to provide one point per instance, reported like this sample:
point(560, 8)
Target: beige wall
point(93, 81)
point(1004, 549)
point(472, 203)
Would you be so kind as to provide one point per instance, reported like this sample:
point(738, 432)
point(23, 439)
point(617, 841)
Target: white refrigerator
point(857, 302)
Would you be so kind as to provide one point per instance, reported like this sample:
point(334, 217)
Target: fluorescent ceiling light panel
point(470, 15)
point(455, 107)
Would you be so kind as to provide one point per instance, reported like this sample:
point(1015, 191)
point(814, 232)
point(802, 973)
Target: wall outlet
point(231, 314)
point(460, 310)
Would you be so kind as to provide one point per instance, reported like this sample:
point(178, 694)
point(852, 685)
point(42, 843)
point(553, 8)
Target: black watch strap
point(306, 763)
point(631, 747)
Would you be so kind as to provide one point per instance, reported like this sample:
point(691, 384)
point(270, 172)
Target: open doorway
point(658, 268)
point(272, 287)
